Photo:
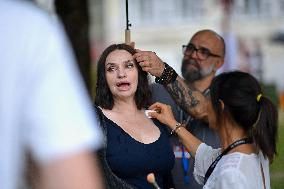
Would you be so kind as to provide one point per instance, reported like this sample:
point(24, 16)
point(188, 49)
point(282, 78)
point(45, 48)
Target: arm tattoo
point(182, 95)
point(193, 101)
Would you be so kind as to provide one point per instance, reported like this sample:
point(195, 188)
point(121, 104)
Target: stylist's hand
point(163, 113)
point(149, 62)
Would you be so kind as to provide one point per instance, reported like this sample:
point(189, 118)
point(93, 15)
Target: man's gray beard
point(208, 71)
point(194, 75)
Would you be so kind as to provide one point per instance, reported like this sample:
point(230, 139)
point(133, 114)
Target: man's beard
point(190, 74)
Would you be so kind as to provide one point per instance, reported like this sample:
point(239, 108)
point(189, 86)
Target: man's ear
point(219, 63)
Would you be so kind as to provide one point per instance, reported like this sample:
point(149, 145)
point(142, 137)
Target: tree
point(75, 17)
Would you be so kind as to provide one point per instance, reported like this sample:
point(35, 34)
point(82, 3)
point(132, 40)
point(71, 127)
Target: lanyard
point(185, 160)
point(185, 166)
point(229, 148)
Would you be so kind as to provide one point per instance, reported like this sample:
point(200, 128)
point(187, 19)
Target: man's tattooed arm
point(192, 101)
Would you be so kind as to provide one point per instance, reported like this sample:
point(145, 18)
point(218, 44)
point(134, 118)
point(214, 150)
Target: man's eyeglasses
point(201, 53)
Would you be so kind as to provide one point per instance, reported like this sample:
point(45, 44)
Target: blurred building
point(164, 26)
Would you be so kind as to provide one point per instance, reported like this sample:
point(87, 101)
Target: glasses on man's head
point(201, 53)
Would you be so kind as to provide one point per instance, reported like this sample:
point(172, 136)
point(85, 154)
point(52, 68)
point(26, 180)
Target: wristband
point(169, 75)
point(177, 127)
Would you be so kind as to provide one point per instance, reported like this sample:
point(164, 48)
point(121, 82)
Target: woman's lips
point(123, 86)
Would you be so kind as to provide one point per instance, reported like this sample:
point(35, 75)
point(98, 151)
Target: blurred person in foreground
point(134, 144)
point(246, 122)
point(203, 56)
point(44, 107)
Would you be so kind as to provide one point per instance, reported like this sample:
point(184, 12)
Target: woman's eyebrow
point(113, 64)
point(110, 64)
point(127, 61)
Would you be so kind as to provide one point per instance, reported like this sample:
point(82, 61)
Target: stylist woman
point(246, 122)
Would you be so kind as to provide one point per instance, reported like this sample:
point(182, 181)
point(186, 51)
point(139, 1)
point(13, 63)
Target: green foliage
point(93, 80)
point(277, 167)
point(270, 91)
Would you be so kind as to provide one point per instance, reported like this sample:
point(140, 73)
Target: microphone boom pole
point(127, 30)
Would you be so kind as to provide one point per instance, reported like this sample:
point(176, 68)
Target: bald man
point(203, 56)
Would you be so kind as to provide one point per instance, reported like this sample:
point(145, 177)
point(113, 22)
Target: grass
point(277, 167)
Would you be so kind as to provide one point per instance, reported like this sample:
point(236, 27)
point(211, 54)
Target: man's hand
point(149, 62)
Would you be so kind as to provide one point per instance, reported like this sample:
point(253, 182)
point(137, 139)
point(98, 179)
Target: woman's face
point(121, 74)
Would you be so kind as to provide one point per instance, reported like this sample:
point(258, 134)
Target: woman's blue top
point(132, 160)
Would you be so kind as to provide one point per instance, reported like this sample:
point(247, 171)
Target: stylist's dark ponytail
point(265, 130)
point(248, 107)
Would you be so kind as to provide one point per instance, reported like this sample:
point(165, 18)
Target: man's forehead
point(205, 36)
point(206, 39)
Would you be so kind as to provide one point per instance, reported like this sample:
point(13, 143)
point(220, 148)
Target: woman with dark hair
point(134, 144)
point(246, 122)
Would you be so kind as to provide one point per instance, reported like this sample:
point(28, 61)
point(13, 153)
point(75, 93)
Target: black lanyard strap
point(229, 148)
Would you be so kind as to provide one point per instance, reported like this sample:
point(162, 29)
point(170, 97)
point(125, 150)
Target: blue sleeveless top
point(132, 160)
